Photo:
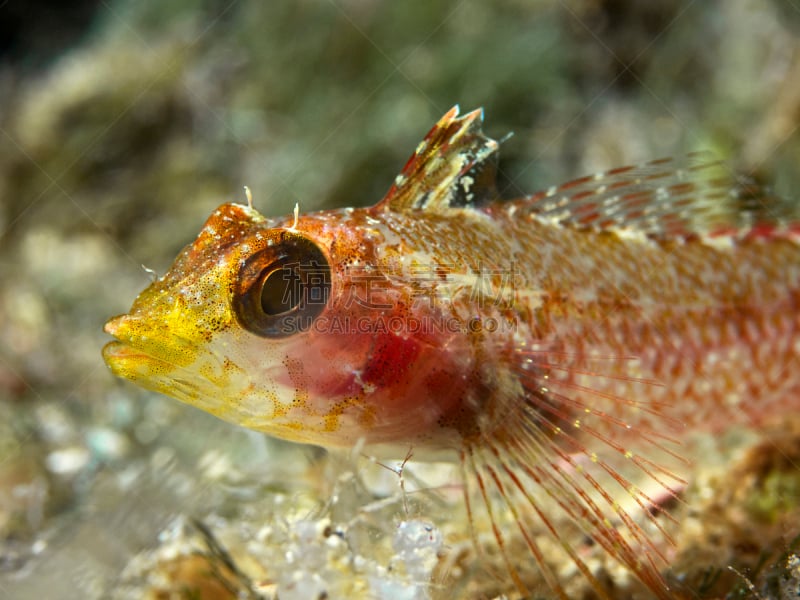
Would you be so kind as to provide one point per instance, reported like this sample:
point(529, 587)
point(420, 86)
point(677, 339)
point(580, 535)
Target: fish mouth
point(127, 361)
point(154, 374)
point(140, 352)
point(151, 359)
point(119, 328)
point(157, 359)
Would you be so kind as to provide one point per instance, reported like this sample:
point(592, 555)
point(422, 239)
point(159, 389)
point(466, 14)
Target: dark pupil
point(282, 291)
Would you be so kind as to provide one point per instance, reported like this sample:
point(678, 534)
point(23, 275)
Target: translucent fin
point(665, 199)
point(563, 466)
point(454, 166)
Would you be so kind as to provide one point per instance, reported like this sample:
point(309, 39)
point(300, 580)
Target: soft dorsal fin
point(454, 166)
point(668, 199)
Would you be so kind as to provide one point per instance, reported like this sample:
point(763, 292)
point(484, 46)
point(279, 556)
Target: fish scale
point(560, 346)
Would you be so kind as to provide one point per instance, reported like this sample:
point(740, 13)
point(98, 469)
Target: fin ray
point(667, 198)
point(555, 460)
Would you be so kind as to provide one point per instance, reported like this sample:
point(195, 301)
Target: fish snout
point(118, 326)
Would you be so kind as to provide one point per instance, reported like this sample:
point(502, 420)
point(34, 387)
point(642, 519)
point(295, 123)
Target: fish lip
point(126, 360)
point(119, 349)
point(125, 347)
point(115, 325)
point(123, 342)
point(127, 353)
point(110, 325)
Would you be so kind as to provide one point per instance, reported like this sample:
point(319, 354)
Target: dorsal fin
point(454, 166)
point(668, 199)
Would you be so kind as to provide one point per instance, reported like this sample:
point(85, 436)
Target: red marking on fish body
point(619, 171)
point(765, 230)
point(723, 232)
point(575, 183)
point(391, 359)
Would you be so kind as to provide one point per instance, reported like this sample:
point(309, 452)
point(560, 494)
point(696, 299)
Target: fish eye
point(281, 289)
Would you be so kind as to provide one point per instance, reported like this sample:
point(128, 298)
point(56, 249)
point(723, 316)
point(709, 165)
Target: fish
point(559, 347)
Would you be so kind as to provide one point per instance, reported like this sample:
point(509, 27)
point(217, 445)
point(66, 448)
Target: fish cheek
point(416, 384)
point(378, 369)
point(391, 360)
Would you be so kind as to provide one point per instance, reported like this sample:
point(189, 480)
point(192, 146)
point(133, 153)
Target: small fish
point(559, 346)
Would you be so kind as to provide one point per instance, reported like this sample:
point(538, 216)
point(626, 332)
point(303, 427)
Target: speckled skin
point(601, 319)
point(695, 317)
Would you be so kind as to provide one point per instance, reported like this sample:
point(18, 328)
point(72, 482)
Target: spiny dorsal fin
point(454, 166)
point(668, 199)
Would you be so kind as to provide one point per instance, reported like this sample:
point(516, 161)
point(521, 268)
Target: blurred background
point(124, 123)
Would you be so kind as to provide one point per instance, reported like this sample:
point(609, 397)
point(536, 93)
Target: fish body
point(559, 345)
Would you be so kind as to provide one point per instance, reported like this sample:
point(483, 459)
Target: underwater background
point(124, 124)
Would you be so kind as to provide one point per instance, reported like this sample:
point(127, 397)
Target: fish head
point(270, 324)
point(336, 327)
